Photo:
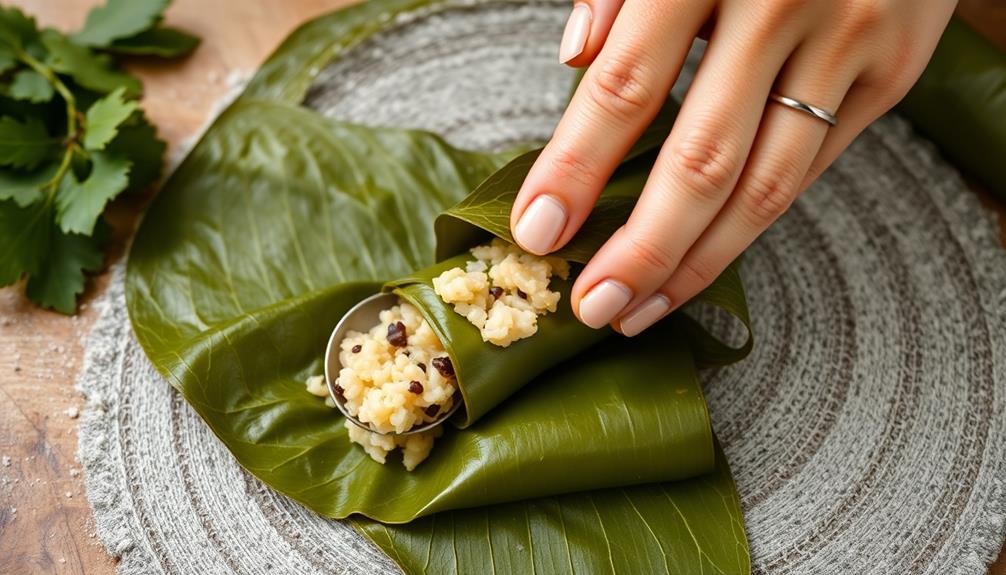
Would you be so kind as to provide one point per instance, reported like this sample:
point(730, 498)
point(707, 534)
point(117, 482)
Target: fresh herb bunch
point(72, 138)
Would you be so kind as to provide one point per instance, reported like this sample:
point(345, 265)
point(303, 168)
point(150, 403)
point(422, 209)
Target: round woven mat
point(866, 431)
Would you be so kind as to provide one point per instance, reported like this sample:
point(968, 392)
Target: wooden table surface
point(45, 522)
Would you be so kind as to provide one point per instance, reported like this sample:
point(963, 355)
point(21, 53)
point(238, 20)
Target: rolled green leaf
point(960, 102)
point(487, 374)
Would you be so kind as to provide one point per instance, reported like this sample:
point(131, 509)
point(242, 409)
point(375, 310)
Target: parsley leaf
point(119, 19)
point(25, 187)
point(72, 138)
point(137, 140)
point(7, 59)
point(103, 119)
point(93, 71)
point(79, 204)
point(32, 86)
point(160, 41)
point(24, 144)
point(61, 278)
point(16, 29)
point(24, 235)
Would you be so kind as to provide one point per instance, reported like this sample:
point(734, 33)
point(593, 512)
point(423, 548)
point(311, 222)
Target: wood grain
point(51, 530)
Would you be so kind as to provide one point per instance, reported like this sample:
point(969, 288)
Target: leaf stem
point(71, 117)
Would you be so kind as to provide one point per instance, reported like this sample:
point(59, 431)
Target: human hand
point(735, 160)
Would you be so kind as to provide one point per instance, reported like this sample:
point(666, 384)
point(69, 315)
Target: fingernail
point(603, 303)
point(645, 315)
point(574, 37)
point(540, 225)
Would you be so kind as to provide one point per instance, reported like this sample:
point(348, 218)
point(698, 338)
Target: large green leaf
point(236, 279)
point(687, 527)
point(278, 221)
point(960, 102)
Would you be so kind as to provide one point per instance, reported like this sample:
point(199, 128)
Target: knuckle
point(621, 86)
point(904, 66)
point(889, 97)
point(696, 272)
point(648, 254)
point(768, 193)
point(863, 16)
point(568, 165)
point(816, 170)
point(778, 11)
point(705, 164)
point(887, 85)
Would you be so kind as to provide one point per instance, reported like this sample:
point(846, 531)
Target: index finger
point(619, 95)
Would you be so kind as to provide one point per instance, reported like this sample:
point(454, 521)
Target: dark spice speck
point(415, 387)
point(422, 366)
point(496, 292)
point(339, 392)
point(522, 294)
point(433, 410)
point(396, 335)
point(357, 348)
point(444, 366)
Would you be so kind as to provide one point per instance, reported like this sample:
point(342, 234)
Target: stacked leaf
point(280, 220)
point(72, 138)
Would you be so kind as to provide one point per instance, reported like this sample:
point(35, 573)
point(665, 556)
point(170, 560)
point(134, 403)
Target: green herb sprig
point(72, 138)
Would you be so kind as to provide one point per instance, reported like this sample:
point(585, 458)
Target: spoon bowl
point(362, 317)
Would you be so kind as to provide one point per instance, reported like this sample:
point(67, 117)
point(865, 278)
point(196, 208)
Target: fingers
point(586, 30)
point(786, 147)
point(619, 95)
point(694, 173)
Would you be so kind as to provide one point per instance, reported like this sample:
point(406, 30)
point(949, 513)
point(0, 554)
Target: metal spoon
point(362, 317)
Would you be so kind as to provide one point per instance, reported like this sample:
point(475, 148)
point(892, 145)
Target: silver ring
point(798, 105)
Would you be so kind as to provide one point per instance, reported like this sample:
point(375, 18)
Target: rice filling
point(397, 375)
point(502, 291)
point(394, 377)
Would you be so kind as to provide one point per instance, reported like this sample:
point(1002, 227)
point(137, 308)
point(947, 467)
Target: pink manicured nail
point(645, 315)
point(540, 225)
point(574, 37)
point(603, 303)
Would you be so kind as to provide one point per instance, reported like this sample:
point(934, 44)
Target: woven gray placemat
point(866, 431)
